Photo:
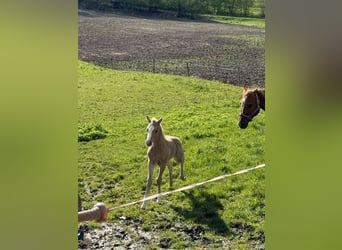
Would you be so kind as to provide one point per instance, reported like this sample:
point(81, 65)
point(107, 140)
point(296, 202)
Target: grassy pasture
point(112, 169)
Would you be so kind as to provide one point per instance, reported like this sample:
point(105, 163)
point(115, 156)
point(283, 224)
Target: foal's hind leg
point(159, 180)
point(169, 166)
point(182, 176)
point(149, 182)
point(179, 157)
point(181, 161)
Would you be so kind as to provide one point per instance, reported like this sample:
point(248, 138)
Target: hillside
point(226, 214)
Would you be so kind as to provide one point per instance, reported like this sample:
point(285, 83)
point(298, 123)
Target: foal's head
point(154, 130)
point(250, 107)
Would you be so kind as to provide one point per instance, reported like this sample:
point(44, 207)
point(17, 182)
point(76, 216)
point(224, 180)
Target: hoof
point(183, 178)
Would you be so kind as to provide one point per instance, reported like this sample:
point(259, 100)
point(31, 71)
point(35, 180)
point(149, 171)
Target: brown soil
point(229, 53)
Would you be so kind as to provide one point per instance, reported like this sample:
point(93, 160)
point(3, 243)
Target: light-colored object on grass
point(98, 213)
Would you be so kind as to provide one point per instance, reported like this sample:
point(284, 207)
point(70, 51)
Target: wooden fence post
point(154, 65)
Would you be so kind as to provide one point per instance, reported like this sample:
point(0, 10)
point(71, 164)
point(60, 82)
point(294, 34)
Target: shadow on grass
point(204, 210)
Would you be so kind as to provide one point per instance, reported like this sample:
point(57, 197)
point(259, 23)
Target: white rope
point(187, 187)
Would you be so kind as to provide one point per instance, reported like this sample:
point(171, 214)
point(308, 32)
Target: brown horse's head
point(250, 107)
point(154, 130)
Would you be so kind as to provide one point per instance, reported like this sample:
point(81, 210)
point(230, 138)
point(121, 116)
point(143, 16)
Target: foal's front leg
point(149, 182)
point(159, 180)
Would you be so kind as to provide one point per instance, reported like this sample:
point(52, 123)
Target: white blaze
point(149, 133)
point(243, 104)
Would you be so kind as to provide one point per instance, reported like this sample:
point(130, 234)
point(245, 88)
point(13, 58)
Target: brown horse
point(162, 148)
point(251, 103)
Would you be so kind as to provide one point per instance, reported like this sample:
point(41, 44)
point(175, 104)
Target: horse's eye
point(249, 105)
point(156, 131)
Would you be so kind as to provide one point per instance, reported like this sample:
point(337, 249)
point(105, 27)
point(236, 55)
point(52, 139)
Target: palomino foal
point(162, 148)
point(251, 103)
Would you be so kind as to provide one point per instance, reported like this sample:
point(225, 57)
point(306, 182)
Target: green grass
point(204, 115)
point(248, 21)
point(91, 132)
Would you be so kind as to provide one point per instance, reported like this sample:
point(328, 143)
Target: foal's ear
point(160, 120)
point(148, 119)
point(244, 89)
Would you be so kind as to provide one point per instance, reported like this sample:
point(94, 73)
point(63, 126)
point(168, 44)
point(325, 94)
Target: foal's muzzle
point(148, 142)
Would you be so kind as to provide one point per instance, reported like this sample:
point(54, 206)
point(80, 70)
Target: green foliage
point(183, 8)
point(204, 115)
point(95, 4)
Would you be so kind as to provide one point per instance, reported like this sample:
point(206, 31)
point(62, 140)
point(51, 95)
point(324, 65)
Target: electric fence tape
point(187, 187)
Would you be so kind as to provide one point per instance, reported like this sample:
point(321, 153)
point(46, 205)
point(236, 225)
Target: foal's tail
point(179, 154)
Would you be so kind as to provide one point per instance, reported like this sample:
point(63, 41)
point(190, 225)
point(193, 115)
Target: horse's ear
point(244, 89)
point(160, 120)
point(148, 119)
point(257, 91)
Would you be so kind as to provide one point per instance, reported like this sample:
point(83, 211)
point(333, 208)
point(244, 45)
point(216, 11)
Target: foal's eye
point(156, 131)
point(248, 105)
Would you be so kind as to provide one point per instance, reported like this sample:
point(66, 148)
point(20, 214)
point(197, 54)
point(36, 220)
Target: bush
point(97, 4)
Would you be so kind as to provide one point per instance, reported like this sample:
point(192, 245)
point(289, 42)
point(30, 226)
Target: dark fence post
point(187, 67)
point(154, 65)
